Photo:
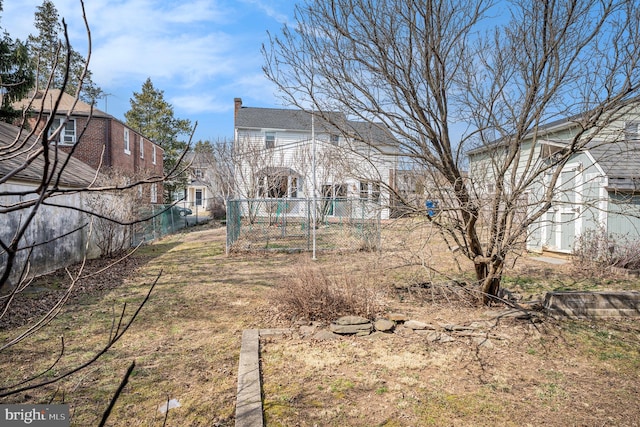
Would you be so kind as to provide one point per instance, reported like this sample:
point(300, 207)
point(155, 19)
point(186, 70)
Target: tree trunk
point(489, 275)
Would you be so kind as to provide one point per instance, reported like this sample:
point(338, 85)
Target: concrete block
point(593, 304)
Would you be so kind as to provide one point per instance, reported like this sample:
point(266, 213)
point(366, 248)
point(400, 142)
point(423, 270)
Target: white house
point(282, 153)
point(597, 188)
point(197, 194)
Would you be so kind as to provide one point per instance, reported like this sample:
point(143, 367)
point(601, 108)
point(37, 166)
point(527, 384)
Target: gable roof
point(285, 119)
point(300, 120)
point(45, 101)
point(76, 173)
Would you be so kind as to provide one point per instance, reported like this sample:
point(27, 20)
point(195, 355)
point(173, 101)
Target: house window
point(364, 190)
point(631, 131)
point(127, 147)
point(141, 147)
point(67, 135)
point(198, 197)
point(375, 192)
point(154, 193)
point(198, 173)
point(153, 154)
point(269, 139)
point(278, 186)
point(334, 139)
point(370, 190)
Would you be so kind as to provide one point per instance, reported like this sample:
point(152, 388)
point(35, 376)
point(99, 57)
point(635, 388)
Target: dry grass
point(186, 345)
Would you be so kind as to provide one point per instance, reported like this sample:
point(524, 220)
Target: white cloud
point(202, 53)
point(201, 103)
point(186, 60)
point(271, 11)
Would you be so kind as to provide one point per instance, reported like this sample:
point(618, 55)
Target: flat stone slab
point(593, 304)
point(351, 320)
point(359, 329)
point(417, 325)
point(383, 325)
point(249, 398)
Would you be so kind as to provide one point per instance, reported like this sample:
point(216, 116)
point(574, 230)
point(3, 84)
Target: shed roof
point(15, 149)
point(620, 160)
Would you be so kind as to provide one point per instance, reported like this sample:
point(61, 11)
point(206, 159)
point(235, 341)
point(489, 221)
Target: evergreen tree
point(153, 117)
point(16, 74)
point(48, 55)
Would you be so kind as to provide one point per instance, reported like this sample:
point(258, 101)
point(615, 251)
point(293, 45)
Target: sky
point(201, 53)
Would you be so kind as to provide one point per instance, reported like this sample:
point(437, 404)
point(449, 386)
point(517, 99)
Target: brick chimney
point(237, 103)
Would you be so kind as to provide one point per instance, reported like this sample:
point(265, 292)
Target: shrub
point(596, 249)
point(311, 294)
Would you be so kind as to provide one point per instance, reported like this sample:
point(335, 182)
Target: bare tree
point(216, 161)
point(41, 185)
point(448, 76)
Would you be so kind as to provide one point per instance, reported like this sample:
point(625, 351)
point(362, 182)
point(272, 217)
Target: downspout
point(107, 144)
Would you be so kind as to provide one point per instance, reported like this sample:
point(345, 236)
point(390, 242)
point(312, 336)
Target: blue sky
point(201, 53)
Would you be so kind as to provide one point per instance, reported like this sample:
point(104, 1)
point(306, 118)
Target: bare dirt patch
point(186, 344)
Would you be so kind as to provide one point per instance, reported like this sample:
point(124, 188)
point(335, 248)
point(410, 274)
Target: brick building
point(103, 142)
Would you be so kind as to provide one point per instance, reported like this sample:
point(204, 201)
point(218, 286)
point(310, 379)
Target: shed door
point(567, 216)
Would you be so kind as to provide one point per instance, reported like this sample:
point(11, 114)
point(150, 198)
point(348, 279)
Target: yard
point(186, 342)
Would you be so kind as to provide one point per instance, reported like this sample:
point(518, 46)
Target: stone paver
point(249, 398)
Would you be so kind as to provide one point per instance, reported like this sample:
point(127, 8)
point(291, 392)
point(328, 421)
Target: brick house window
point(67, 135)
point(154, 193)
point(153, 154)
point(127, 146)
point(141, 147)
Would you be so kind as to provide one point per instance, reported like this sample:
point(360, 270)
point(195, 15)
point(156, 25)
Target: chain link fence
point(287, 224)
point(163, 220)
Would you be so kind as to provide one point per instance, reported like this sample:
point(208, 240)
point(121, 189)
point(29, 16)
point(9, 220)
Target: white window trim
point(154, 193)
point(63, 121)
point(268, 141)
point(141, 147)
point(127, 142)
point(153, 155)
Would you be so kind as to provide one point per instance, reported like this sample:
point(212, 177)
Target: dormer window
point(334, 139)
